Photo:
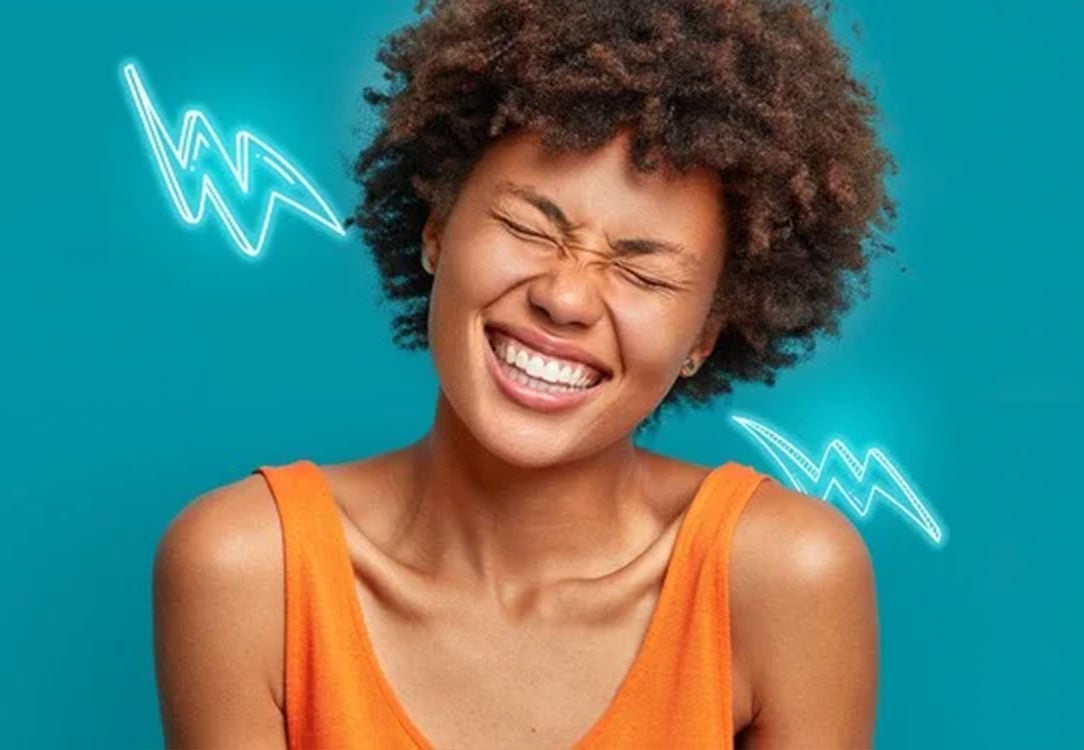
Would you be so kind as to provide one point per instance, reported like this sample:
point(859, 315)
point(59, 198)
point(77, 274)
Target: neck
point(474, 517)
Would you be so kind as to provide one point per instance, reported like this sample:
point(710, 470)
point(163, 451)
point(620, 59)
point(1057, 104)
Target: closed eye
point(520, 229)
point(644, 281)
point(638, 279)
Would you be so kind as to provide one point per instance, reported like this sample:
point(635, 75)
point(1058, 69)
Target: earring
point(689, 368)
point(427, 264)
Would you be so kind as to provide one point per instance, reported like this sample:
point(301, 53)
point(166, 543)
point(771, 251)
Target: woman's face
point(556, 250)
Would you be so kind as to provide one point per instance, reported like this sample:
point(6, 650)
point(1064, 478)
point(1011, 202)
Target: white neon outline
point(197, 131)
point(788, 456)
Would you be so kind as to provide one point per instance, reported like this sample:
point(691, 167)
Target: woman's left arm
point(815, 655)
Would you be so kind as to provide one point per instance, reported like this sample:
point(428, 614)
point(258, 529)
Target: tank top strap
point(312, 531)
point(328, 692)
point(729, 488)
point(679, 692)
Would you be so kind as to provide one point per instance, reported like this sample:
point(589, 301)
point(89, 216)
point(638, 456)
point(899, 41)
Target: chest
point(461, 674)
point(468, 679)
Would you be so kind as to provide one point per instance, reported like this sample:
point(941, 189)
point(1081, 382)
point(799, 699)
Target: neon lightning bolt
point(859, 484)
point(184, 165)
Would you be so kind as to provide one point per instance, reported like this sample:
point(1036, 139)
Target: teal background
point(145, 363)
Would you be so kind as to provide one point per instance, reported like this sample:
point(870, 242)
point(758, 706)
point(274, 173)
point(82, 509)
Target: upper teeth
point(538, 365)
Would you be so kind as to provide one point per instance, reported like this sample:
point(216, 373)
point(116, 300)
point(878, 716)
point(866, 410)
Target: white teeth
point(540, 385)
point(544, 372)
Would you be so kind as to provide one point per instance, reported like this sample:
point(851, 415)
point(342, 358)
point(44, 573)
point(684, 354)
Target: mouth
point(537, 381)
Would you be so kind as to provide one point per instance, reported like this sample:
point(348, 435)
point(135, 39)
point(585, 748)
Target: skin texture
point(500, 259)
point(521, 535)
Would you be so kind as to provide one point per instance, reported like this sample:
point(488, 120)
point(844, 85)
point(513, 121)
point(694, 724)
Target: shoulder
point(791, 536)
point(231, 530)
point(229, 535)
point(805, 617)
point(790, 550)
point(218, 567)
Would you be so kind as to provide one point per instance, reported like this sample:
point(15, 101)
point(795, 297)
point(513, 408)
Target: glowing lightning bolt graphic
point(868, 477)
point(184, 165)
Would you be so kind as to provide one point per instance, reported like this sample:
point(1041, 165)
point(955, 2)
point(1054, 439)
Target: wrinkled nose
point(567, 293)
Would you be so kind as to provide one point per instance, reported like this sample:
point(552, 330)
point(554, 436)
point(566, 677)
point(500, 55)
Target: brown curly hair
point(756, 89)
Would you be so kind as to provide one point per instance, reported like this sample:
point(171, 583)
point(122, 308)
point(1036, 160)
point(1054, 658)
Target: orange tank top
point(677, 693)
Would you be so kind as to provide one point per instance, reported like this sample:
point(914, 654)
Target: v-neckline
point(632, 675)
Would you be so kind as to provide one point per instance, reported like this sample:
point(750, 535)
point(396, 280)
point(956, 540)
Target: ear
point(713, 326)
point(431, 232)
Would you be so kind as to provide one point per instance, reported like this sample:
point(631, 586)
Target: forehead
point(602, 191)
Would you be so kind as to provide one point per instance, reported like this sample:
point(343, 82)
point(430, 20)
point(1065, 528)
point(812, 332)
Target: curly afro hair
point(756, 89)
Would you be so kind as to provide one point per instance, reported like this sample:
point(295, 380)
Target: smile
point(537, 381)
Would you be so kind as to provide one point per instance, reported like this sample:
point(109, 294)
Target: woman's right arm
point(218, 621)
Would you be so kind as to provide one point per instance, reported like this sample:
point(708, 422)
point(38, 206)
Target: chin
point(529, 448)
point(520, 440)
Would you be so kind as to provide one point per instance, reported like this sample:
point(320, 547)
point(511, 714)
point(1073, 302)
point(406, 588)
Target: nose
point(566, 293)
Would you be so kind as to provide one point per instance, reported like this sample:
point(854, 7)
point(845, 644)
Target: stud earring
point(427, 264)
point(689, 368)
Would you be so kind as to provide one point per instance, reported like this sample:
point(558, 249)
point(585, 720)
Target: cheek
point(485, 264)
point(475, 270)
point(649, 358)
point(638, 312)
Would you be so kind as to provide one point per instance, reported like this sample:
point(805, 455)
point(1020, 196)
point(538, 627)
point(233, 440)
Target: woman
point(591, 211)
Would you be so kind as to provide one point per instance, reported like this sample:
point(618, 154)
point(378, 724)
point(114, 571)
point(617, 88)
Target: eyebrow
point(623, 247)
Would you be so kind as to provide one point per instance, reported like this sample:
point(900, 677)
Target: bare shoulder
point(805, 621)
point(228, 527)
point(218, 582)
point(797, 535)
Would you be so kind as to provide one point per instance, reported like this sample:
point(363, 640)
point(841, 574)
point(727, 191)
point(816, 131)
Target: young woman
point(591, 211)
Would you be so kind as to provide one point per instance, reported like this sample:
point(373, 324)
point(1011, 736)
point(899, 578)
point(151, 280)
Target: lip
point(528, 397)
point(545, 344)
